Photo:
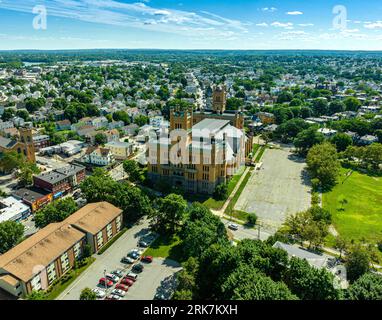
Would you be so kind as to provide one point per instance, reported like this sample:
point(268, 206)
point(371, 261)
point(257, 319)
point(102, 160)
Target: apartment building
point(120, 150)
point(99, 221)
point(98, 156)
point(60, 181)
point(40, 259)
point(46, 256)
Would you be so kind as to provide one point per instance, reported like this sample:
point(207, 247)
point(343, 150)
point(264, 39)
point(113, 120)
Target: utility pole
point(258, 231)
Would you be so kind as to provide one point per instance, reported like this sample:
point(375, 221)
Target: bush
point(315, 199)
point(252, 219)
point(221, 192)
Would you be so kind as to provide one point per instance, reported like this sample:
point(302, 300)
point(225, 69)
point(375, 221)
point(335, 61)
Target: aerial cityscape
point(190, 151)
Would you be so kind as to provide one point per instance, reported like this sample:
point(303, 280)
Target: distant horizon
point(351, 25)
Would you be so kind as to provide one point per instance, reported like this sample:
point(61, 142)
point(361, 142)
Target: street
point(245, 232)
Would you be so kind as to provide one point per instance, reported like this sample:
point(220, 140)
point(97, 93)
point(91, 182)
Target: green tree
point(366, 287)
point(100, 139)
point(252, 219)
point(11, 233)
point(88, 294)
point(307, 139)
point(56, 211)
point(141, 120)
point(169, 216)
point(36, 295)
point(131, 167)
point(26, 172)
point(357, 262)
point(352, 104)
point(309, 283)
point(341, 141)
point(201, 230)
point(221, 192)
point(323, 164)
point(246, 283)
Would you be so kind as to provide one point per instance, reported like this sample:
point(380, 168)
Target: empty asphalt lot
point(278, 189)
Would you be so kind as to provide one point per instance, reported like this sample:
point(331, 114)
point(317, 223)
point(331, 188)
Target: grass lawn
point(216, 205)
point(356, 206)
point(166, 247)
point(230, 208)
point(260, 154)
point(57, 289)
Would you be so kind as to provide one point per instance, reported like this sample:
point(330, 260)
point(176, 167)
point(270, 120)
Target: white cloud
point(267, 9)
point(262, 24)
point(305, 24)
point(294, 13)
point(373, 25)
point(286, 25)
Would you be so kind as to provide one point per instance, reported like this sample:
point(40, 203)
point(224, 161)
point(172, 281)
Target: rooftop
point(94, 217)
point(40, 249)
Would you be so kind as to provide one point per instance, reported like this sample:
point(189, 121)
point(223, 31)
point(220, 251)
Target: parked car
point(233, 226)
point(105, 282)
point(133, 276)
point(118, 292)
point(143, 244)
point(127, 282)
point(112, 277)
point(99, 293)
point(127, 260)
point(138, 268)
point(113, 297)
point(133, 255)
point(118, 273)
point(147, 259)
point(122, 287)
point(159, 296)
point(138, 251)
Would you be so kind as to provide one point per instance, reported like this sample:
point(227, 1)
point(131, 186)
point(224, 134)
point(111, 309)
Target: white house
point(98, 156)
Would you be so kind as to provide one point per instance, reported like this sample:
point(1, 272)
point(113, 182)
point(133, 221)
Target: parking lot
point(278, 189)
point(148, 281)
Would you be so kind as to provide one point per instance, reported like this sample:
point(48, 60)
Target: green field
point(218, 204)
point(356, 206)
point(166, 247)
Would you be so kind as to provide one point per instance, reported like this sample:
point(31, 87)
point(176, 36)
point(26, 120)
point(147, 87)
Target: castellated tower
point(26, 138)
point(219, 97)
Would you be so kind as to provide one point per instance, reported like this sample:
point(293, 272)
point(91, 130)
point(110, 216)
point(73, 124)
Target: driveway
point(109, 260)
point(280, 188)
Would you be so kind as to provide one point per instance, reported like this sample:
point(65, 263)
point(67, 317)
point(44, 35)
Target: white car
point(112, 277)
point(113, 297)
point(233, 226)
point(138, 251)
point(99, 293)
point(118, 292)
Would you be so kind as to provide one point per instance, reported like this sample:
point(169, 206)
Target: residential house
point(98, 156)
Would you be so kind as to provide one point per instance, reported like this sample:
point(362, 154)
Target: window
point(36, 283)
point(51, 270)
point(65, 262)
point(109, 231)
point(100, 239)
point(77, 250)
point(118, 223)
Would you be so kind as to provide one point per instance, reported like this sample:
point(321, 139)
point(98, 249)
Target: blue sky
point(193, 24)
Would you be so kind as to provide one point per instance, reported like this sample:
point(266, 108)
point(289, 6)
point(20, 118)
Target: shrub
point(252, 219)
point(221, 192)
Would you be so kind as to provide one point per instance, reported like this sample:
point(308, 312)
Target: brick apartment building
point(46, 256)
point(60, 181)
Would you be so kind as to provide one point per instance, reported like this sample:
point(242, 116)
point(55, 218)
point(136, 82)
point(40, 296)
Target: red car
point(147, 259)
point(127, 282)
point(131, 277)
point(122, 287)
point(106, 283)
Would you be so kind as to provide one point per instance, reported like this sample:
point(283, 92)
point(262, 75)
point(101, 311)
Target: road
point(245, 232)
point(109, 260)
